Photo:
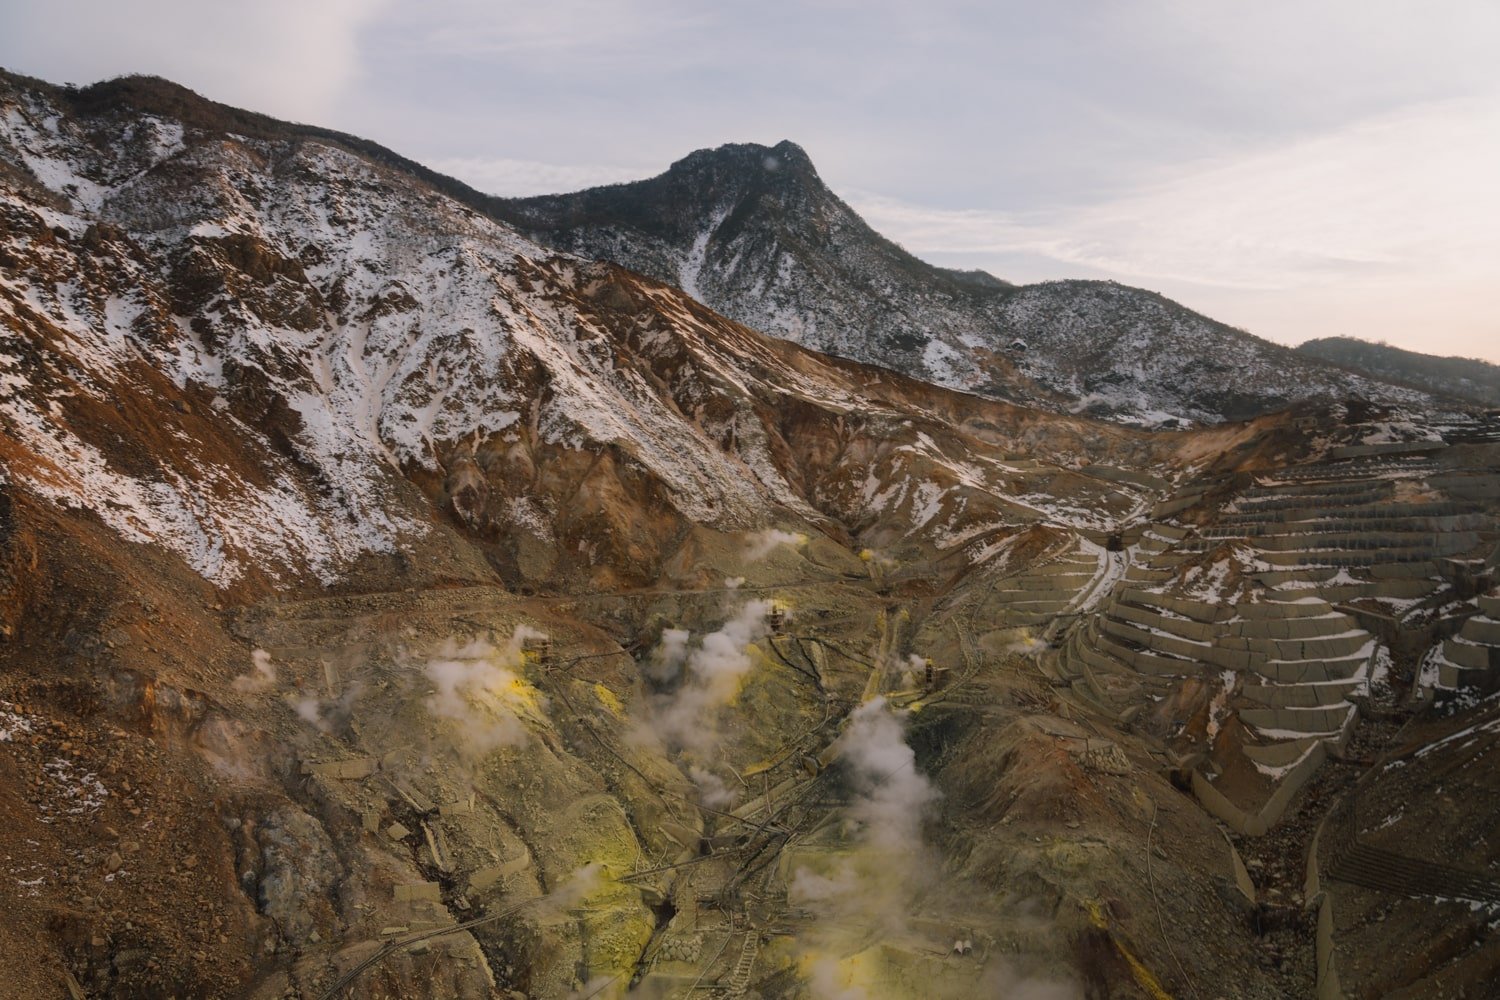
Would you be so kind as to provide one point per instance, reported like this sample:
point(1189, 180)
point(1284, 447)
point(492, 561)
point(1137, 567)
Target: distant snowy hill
point(753, 232)
point(1464, 378)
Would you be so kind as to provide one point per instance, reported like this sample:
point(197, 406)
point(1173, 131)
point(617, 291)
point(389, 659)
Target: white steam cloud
point(712, 790)
point(876, 886)
point(1028, 646)
point(762, 543)
point(883, 874)
point(910, 670)
point(572, 891)
point(687, 718)
point(480, 691)
point(872, 892)
point(262, 674)
point(670, 654)
point(892, 794)
point(327, 714)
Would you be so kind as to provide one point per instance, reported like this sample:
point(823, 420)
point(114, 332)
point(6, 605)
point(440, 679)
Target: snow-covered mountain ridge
point(753, 232)
point(272, 355)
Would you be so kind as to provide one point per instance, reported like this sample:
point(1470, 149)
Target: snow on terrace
point(1111, 570)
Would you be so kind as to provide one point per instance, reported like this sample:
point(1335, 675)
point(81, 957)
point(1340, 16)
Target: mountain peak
point(739, 166)
point(784, 156)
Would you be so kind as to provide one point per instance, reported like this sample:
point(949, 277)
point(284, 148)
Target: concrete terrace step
point(1319, 721)
point(1307, 628)
point(1432, 542)
point(1351, 558)
point(1389, 448)
point(1325, 662)
point(1311, 671)
point(1375, 868)
point(1414, 589)
point(1319, 512)
point(1325, 695)
point(1453, 677)
point(1478, 487)
point(1196, 610)
point(1471, 655)
point(1146, 661)
point(1157, 642)
point(1312, 620)
point(1182, 627)
point(1324, 647)
point(1367, 521)
point(1321, 495)
point(1482, 629)
point(1309, 606)
point(1445, 542)
point(1281, 754)
point(1359, 470)
point(1282, 577)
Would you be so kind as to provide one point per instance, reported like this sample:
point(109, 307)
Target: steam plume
point(328, 714)
point(481, 692)
point(262, 674)
point(687, 719)
point(762, 543)
point(876, 886)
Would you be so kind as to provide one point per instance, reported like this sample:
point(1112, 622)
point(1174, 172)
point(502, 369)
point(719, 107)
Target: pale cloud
point(486, 28)
point(1414, 189)
point(288, 58)
point(1401, 204)
point(518, 178)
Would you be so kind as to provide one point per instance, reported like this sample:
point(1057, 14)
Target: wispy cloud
point(1397, 217)
point(1406, 192)
point(284, 57)
point(577, 29)
point(515, 178)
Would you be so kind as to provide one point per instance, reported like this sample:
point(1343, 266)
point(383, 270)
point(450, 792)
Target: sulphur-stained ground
point(221, 800)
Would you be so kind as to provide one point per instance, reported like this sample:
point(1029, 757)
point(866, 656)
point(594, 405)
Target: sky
point(1296, 169)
